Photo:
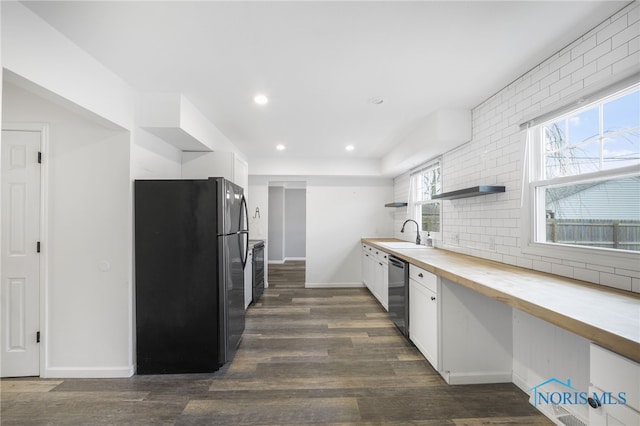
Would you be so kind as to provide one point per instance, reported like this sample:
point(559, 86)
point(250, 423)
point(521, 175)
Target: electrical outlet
point(455, 240)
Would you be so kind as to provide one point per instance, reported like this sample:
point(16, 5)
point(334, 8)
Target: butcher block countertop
point(603, 315)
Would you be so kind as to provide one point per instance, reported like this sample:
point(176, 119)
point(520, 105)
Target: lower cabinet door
point(423, 321)
point(612, 413)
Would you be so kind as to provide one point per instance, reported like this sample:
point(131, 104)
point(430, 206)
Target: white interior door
point(20, 290)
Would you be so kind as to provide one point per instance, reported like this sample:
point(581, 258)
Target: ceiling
point(320, 63)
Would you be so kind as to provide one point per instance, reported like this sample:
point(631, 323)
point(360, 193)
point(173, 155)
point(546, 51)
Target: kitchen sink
point(402, 245)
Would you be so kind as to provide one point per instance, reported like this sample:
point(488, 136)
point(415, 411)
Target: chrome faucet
point(417, 229)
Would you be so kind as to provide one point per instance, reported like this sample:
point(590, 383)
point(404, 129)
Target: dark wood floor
point(308, 356)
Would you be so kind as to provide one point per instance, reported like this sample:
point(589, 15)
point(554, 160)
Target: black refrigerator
point(191, 242)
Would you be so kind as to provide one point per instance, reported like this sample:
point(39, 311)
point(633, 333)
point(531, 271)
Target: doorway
point(287, 229)
point(287, 221)
point(21, 262)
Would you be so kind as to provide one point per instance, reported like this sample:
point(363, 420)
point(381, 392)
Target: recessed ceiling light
point(349, 147)
point(260, 99)
point(280, 147)
point(377, 100)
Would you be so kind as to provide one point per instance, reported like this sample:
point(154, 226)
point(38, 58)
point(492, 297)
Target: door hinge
point(38, 337)
point(38, 246)
point(39, 157)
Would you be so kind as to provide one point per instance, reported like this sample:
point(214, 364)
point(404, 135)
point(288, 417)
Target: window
point(585, 176)
point(423, 185)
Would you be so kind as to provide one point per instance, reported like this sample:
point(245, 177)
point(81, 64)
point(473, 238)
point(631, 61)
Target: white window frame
point(533, 231)
point(416, 213)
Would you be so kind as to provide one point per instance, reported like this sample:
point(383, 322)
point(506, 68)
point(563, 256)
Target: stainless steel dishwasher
point(399, 294)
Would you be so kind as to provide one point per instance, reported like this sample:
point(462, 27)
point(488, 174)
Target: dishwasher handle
point(397, 262)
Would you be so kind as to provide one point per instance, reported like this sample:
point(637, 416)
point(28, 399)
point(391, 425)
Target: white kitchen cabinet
point(375, 273)
point(380, 287)
point(424, 313)
point(382, 279)
point(201, 165)
point(615, 381)
point(248, 280)
point(368, 266)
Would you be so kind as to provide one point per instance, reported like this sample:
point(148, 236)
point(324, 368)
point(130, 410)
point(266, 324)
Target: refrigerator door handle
point(244, 234)
point(244, 213)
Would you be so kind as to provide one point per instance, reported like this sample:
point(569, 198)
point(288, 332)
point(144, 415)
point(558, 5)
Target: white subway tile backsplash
point(634, 43)
point(560, 85)
point(627, 273)
point(541, 266)
point(490, 226)
point(599, 76)
point(613, 28)
point(612, 57)
point(587, 275)
point(633, 13)
point(572, 67)
point(630, 62)
point(562, 270)
point(522, 262)
point(572, 89)
point(601, 268)
point(558, 61)
point(616, 281)
point(626, 35)
point(584, 71)
point(582, 47)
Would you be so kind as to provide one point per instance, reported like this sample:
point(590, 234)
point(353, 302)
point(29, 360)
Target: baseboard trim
point(521, 383)
point(88, 372)
point(286, 259)
point(333, 285)
point(478, 377)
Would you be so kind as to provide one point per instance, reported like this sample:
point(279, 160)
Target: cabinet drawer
point(426, 279)
point(614, 373)
point(382, 257)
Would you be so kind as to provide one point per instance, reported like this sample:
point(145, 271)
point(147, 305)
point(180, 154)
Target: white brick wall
point(490, 226)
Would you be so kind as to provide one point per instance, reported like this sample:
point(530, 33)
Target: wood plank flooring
point(308, 356)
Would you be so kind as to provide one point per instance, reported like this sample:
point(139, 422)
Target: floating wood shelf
point(469, 192)
point(396, 204)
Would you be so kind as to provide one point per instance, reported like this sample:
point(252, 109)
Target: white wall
point(295, 223)
point(151, 157)
point(276, 224)
point(258, 219)
point(490, 226)
point(34, 50)
point(88, 328)
point(88, 307)
point(340, 211)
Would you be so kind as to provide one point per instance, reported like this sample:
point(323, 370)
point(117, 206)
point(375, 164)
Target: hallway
point(321, 356)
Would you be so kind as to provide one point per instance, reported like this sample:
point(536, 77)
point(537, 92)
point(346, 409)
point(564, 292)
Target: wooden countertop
point(603, 315)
